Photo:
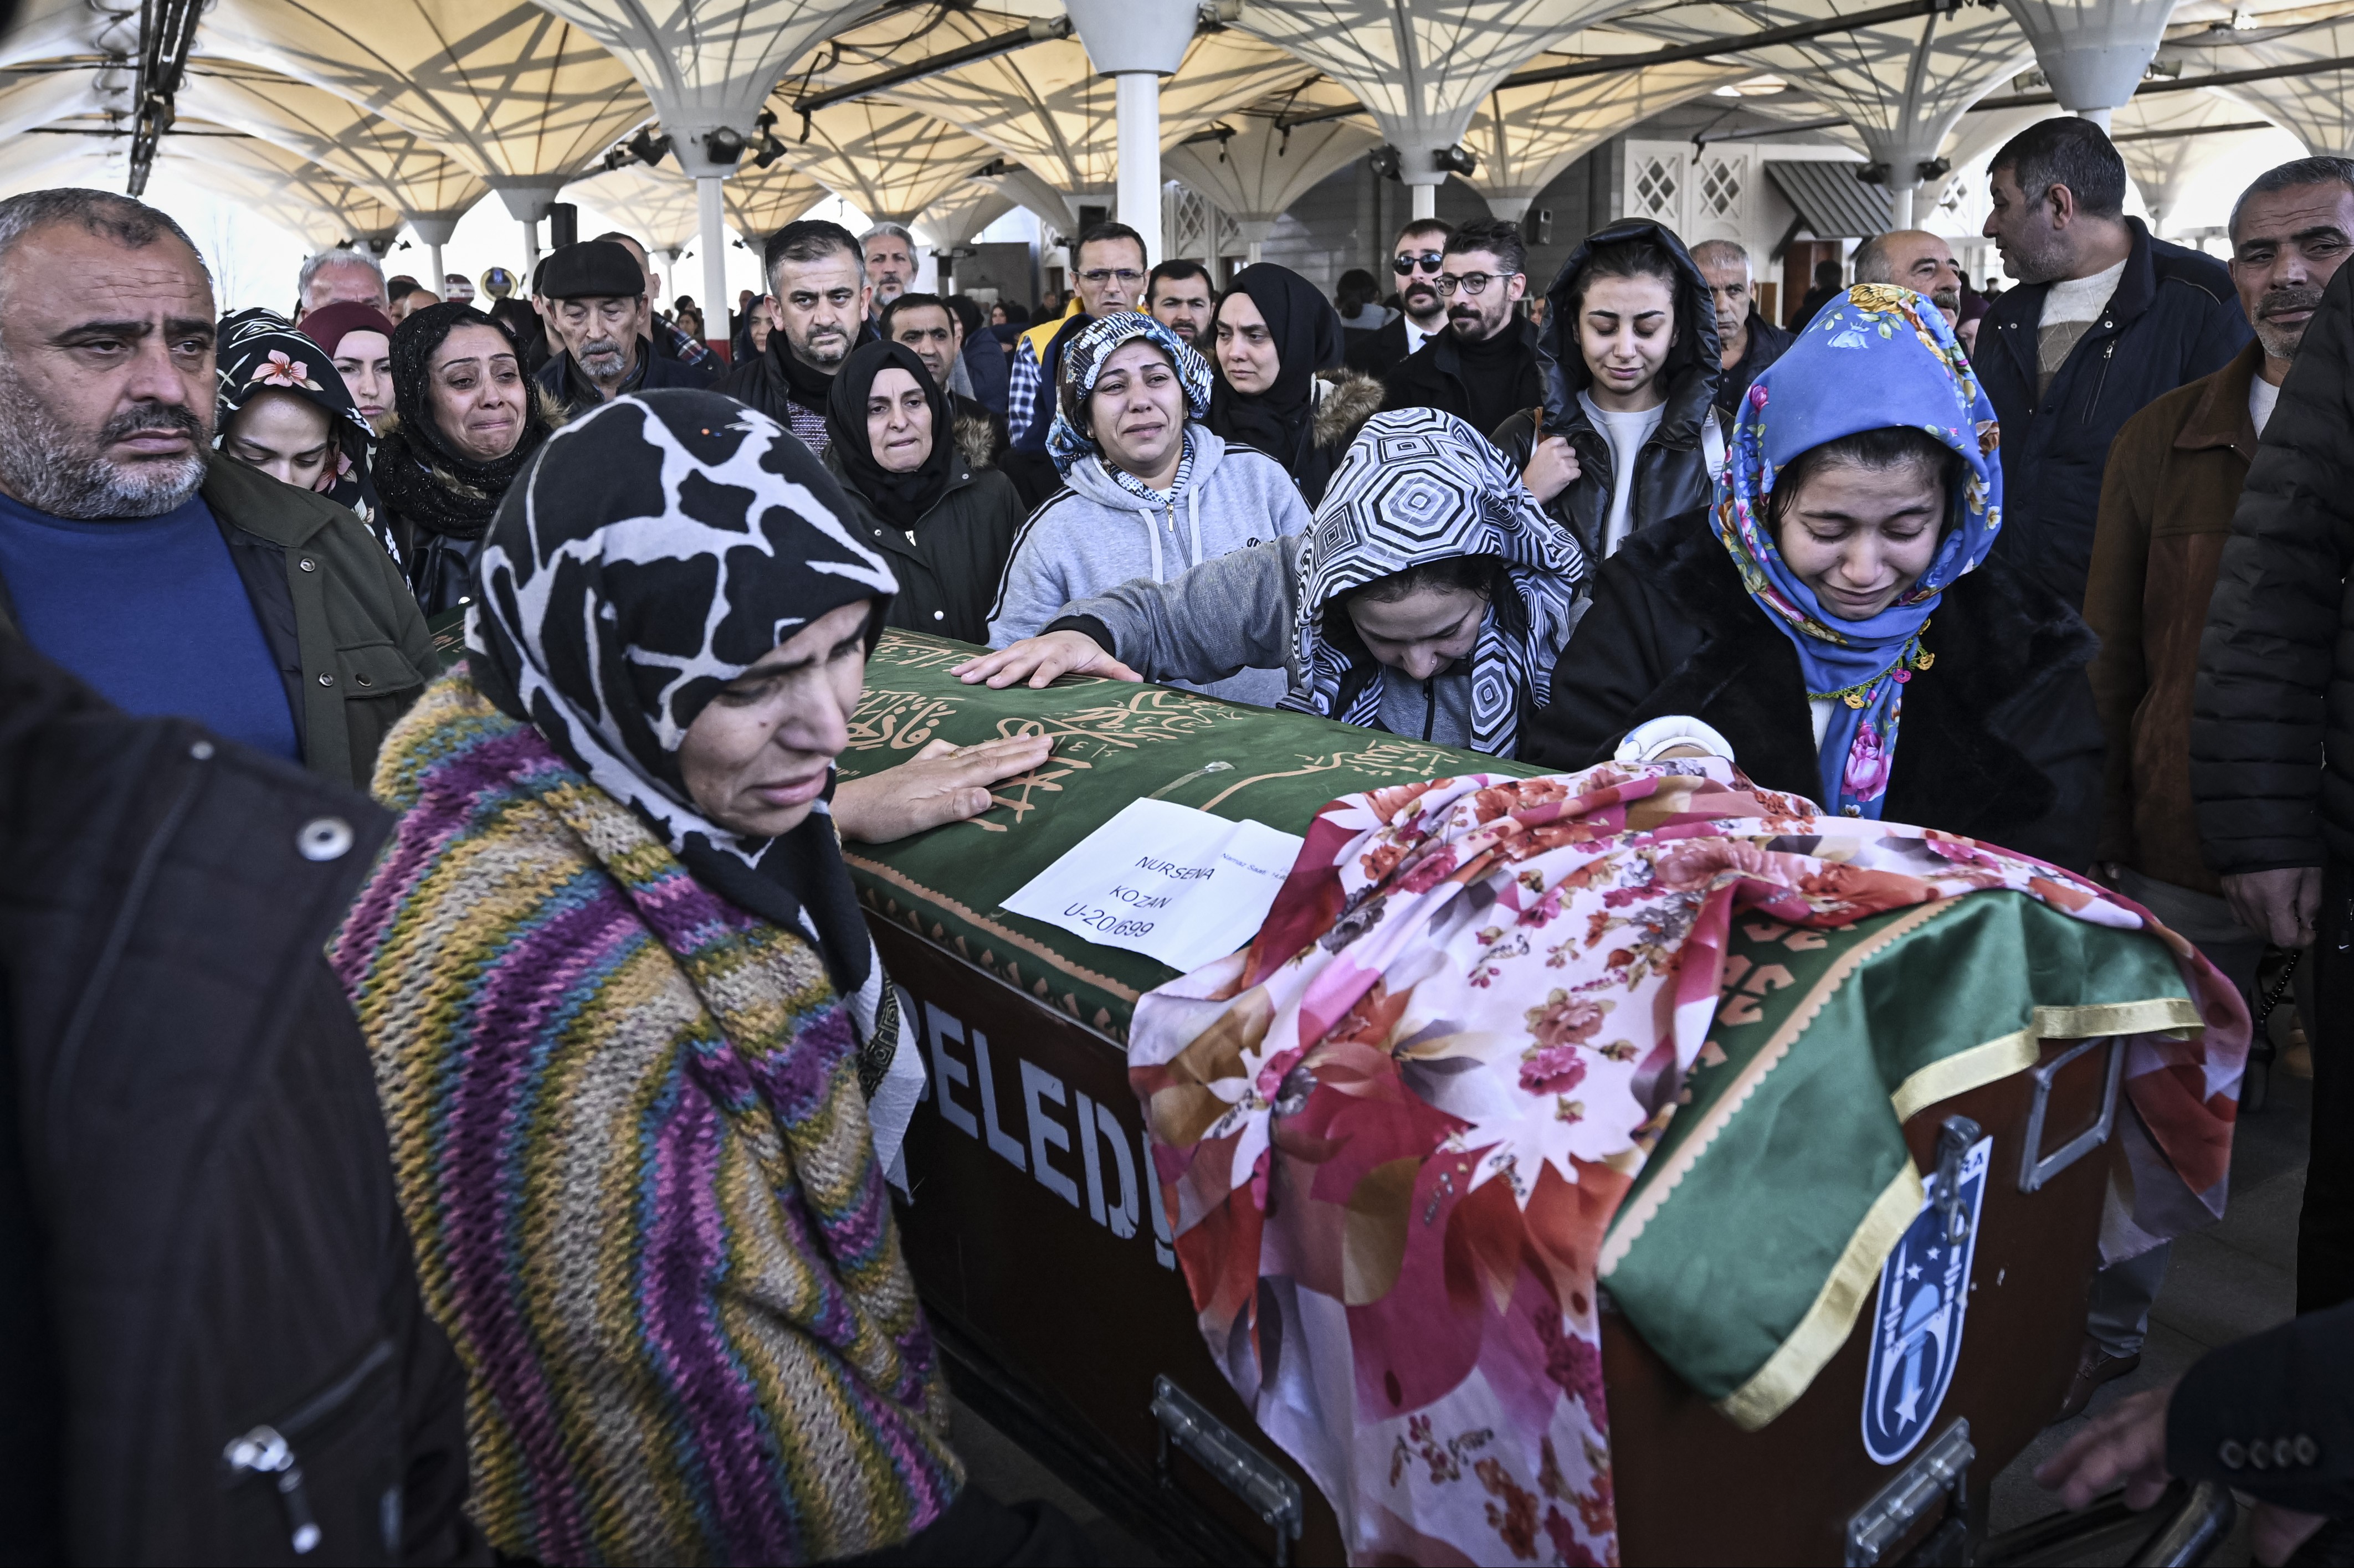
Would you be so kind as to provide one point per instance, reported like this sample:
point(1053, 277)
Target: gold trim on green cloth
point(2000, 1058)
point(1627, 1228)
point(1790, 1370)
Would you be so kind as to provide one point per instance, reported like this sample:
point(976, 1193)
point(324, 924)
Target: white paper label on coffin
point(1166, 881)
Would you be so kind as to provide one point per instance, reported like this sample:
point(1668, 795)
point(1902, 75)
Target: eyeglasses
point(1428, 261)
point(1470, 282)
point(1103, 275)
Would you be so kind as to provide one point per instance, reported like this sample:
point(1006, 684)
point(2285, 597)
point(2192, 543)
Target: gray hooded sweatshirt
point(1238, 612)
point(1094, 535)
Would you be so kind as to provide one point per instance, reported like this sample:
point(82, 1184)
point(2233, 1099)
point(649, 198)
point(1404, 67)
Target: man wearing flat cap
point(597, 312)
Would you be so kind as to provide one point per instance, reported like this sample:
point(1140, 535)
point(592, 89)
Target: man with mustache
point(2173, 483)
point(1917, 259)
point(817, 305)
point(171, 583)
point(1746, 342)
point(597, 311)
point(2106, 319)
point(1483, 367)
point(2269, 746)
point(1414, 260)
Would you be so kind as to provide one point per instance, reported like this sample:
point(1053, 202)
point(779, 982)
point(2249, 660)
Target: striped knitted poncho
point(631, 1150)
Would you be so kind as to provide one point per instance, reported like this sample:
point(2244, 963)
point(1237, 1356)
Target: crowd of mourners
point(551, 1216)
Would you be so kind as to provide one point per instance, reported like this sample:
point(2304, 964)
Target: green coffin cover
point(1758, 1227)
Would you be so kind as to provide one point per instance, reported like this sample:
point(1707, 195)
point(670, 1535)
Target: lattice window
point(1189, 225)
point(1719, 187)
point(1657, 187)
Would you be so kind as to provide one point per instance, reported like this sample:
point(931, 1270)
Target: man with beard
point(1917, 259)
point(1181, 297)
point(2269, 737)
point(890, 262)
point(668, 341)
point(928, 325)
point(2173, 483)
point(269, 614)
point(597, 311)
point(1416, 259)
point(817, 305)
point(1746, 342)
point(1483, 367)
point(2106, 318)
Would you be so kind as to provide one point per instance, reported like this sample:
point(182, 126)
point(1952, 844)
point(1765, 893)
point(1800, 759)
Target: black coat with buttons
point(949, 560)
point(1999, 739)
point(2173, 319)
point(2273, 1415)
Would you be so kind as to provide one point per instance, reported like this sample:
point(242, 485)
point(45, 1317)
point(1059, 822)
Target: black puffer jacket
point(1432, 377)
point(1671, 469)
point(2000, 740)
point(948, 564)
point(2173, 319)
point(2272, 729)
point(194, 1141)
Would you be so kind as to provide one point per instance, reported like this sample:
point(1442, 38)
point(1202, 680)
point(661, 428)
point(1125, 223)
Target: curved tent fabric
point(281, 186)
point(712, 60)
point(656, 207)
point(887, 159)
point(762, 201)
point(1422, 67)
point(960, 215)
point(1902, 85)
point(509, 93)
point(48, 29)
point(48, 97)
point(2162, 159)
point(368, 150)
point(2316, 109)
point(1525, 136)
point(1046, 107)
point(1258, 174)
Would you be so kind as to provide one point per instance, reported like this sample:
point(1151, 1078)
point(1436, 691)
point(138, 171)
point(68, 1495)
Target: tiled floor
point(2222, 1284)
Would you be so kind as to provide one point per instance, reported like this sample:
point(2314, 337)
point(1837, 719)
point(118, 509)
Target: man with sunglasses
point(1483, 367)
point(1414, 260)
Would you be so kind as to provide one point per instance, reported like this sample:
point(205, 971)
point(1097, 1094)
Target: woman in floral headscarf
point(284, 411)
point(1832, 621)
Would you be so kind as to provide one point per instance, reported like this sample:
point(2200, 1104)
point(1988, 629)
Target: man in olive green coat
point(173, 580)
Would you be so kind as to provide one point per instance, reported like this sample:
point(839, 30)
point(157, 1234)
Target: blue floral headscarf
point(1881, 355)
point(1082, 361)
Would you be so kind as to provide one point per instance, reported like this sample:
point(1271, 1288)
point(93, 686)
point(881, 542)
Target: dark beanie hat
point(592, 268)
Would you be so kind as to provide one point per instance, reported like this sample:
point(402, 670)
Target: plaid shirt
point(1022, 390)
point(683, 348)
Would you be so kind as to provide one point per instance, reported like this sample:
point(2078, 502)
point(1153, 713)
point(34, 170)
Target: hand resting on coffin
point(1042, 658)
point(941, 783)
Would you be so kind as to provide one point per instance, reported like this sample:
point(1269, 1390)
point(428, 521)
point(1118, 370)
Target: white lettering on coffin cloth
point(1114, 1165)
point(1916, 1325)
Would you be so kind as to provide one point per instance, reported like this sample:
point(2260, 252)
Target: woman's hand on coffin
point(941, 783)
point(1040, 659)
point(1553, 467)
point(2124, 1446)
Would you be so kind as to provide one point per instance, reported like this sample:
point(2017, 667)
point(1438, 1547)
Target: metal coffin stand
point(1045, 1264)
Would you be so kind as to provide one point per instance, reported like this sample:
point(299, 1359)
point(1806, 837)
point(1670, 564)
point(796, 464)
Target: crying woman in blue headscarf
point(1831, 621)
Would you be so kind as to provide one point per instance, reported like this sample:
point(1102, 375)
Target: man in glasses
point(1414, 260)
point(1483, 367)
point(1107, 269)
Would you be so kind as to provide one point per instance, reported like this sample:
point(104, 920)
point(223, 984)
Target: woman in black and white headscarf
point(283, 409)
point(1431, 600)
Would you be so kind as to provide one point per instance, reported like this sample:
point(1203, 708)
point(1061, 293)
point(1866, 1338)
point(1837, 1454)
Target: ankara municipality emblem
point(1916, 1327)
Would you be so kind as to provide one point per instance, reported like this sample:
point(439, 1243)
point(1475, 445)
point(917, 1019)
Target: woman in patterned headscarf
point(1833, 623)
point(643, 1073)
point(1430, 599)
point(1149, 489)
point(284, 411)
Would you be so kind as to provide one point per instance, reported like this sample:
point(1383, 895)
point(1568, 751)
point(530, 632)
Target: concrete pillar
point(1510, 209)
point(1136, 43)
point(1254, 227)
point(711, 216)
point(434, 230)
point(1424, 194)
point(528, 198)
point(1900, 206)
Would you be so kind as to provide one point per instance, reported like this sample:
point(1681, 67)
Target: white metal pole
point(1425, 200)
point(712, 213)
point(435, 285)
point(1900, 208)
point(1137, 106)
point(530, 252)
point(2099, 117)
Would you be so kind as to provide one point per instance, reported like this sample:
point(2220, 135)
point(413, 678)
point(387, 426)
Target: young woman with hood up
point(1150, 489)
point(1431, 600)
point(1628, 433)
point(1833, 625)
